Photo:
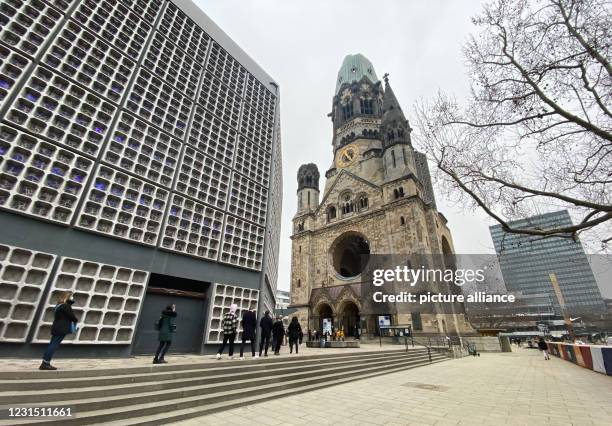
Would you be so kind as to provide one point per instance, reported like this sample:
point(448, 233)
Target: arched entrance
point(324, 311)
point(349, 319)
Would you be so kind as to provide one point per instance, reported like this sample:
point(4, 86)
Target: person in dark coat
point(64, 322)
point(249, 323)
point(294, 331)
point(278, 332)
point(167, 326)
point(265, 324)
point(544, 348)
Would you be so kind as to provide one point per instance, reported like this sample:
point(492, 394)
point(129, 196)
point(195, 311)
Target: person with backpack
point(249, 323)
point(64, 323)
point(166, 325)
point(266, 325)
point(544, 348)
point(294, 331)
point(278, 332)
point(230, 328)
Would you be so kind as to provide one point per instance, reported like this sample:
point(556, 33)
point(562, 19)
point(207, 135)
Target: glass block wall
point(126, 119)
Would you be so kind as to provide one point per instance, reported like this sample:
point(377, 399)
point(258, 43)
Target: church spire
point(394, 127)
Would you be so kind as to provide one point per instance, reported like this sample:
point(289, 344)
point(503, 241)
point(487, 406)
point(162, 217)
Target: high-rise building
point(139, 166)
point(377, 200)
point(527, 263)
point(283, 298)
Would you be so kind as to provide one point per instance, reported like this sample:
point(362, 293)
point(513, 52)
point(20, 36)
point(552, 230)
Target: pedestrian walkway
point(497, 388)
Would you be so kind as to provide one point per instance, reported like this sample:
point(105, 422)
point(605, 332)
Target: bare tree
point(536, 132)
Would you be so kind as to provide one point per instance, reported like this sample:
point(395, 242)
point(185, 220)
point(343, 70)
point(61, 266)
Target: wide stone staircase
point(162, 394)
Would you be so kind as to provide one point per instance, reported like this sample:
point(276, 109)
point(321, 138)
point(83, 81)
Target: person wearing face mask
point(64, 322)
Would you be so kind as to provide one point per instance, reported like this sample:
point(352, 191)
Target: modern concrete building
point(527, 264)
point(139, 166)
point(283, 299)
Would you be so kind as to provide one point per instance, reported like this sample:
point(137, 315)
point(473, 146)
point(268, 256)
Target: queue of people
point(65, 322)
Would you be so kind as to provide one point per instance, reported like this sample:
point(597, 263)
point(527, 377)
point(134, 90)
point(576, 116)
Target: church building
point(377, 199)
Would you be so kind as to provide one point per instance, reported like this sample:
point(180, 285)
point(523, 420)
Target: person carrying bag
point(64, 323)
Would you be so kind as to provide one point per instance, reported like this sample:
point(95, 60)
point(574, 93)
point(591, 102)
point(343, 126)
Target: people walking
point(544, 348)
point(249, 322)
point(64, 323)
point(294, 331)
point(166, 325)
point(230, 327)
point(278, 332)
point(266, 325)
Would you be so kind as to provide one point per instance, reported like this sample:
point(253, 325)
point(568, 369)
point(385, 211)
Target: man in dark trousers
point(166, 327)
point(249, 322)
point(278, 332)
point(265, 324)
point(230, 328)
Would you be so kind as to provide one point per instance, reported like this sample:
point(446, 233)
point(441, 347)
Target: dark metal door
point(189, 324)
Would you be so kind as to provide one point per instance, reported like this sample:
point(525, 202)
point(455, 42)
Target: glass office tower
point(527, 261)
point(140, 166)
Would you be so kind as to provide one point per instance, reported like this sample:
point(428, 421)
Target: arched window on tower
point(331, 213)
point(398, 192)
point(347, 111)
point(367, 106)
point(393, 158)
point(299, 283)
point(363, 202)
point(402, 220)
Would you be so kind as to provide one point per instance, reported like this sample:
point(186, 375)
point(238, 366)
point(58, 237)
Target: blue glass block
point(143, 201)
point(119, 138)
point(5, 84)
point(32, 177)
point(128, 207)
point(31, 97)
point(157, 205)
point(100, 185)
point(112, 202)
point(53, 183)
point(3, 150)
point(77, 177)
point(116, 89)
point(116, 191)
point(57, 171)
point(99, 129)
point(14, 169)
point(174, 212)
point(18, 156)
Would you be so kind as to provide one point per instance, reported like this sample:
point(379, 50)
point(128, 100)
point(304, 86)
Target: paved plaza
point(496, 388)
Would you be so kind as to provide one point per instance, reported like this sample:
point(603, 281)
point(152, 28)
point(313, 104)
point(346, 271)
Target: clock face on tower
point(347, 156)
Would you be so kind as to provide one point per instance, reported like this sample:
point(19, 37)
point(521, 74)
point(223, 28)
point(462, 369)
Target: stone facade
point(377, 199)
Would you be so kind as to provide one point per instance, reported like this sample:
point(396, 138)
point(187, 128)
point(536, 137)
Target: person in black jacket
point(266, 329)
point(249, 323)
point(544, 348)
point(166, 328)
point(278, 332)
point(294, 331)
point(62, 325)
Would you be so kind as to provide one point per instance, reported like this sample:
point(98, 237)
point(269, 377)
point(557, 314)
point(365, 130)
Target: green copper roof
point(354, 68)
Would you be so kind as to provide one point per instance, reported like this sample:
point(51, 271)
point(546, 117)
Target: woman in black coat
point(294, 331)
point(278, 332)
point(63, 320)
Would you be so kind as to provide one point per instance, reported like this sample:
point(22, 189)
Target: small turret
point(308, 187)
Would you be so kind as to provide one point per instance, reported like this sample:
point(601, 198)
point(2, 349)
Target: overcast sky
point(301, 44)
